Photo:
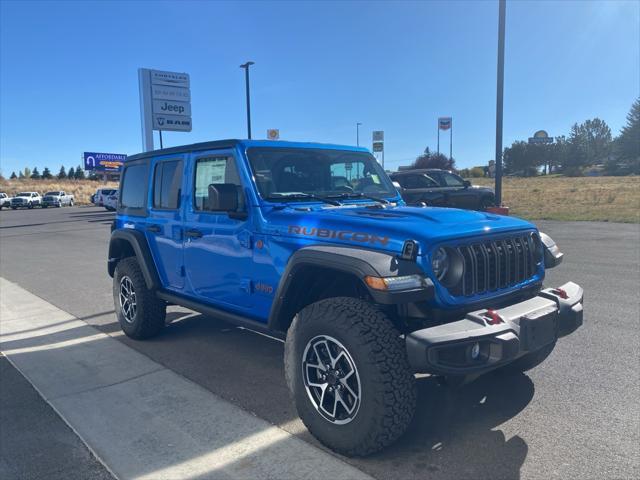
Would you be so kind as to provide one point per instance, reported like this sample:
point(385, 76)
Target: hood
point(387, 228)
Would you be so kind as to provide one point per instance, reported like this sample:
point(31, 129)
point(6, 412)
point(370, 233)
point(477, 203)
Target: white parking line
point(144, 421)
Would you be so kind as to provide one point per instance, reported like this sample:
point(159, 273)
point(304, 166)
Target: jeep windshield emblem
point(346, 235)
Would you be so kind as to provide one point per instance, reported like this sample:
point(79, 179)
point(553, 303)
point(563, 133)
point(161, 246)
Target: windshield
point(324, 173)
point(24, 194)
point(52, 193)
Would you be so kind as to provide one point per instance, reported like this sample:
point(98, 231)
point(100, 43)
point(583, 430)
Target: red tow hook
point(561, 292)
point(495, 319)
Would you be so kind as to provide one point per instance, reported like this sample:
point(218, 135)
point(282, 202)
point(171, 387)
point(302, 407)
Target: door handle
point(154, 228)
point(193, 233)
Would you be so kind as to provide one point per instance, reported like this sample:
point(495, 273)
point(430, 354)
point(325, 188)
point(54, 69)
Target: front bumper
point(487, 339)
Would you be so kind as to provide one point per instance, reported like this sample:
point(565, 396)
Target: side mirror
point(466, 184)
point(397, 185)
point(223, 197)
point(227, 197)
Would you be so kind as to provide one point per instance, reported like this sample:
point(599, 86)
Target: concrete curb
point(140, 419)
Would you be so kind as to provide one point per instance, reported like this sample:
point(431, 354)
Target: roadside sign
point(444, 123)
point(103, 162)
point(378, 146)
point(541, 137)
point(170, 107)
point(171, 122)
point(165, 103)
point(273, 134)
point(378, 136)
point(158, 77)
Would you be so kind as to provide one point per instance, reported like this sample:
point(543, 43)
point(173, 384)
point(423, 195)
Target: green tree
point(46, 174)
point(62, 173)
point(36, 174)
point(627, 146)
point(72, 174)
point(20, 174)
point(522, 159)
point(434, 160)
point(79, 175)
point(598, 140)
point(13, 176)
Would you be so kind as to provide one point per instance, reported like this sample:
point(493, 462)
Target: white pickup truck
point(57, 199)
point(26, 200)
point(5, 200)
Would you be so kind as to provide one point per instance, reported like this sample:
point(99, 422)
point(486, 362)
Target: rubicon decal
point(346, 235)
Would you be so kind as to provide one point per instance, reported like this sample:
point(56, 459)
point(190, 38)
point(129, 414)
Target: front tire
point(140, 313)
point(347, 371)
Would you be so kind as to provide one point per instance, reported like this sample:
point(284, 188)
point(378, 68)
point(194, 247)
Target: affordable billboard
point(103, 162)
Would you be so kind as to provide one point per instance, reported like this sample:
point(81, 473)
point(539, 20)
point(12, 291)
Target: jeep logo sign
point(168, 107)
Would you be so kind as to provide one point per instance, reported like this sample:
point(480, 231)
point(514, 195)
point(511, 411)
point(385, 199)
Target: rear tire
point(378, 402)
point(140, 313)
point(529, 361)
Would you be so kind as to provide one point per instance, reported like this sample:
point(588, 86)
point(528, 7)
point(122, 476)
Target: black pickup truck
point(442, 188)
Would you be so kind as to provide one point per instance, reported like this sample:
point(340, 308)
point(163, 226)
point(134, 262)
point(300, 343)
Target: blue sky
point(68, 72)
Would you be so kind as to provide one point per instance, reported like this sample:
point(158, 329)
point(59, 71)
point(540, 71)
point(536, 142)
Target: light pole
point(358, 133)
point(499, 101)
point(246, 78)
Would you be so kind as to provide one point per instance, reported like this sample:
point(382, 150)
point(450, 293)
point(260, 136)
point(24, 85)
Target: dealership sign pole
point(378, 143)
point(165, 103)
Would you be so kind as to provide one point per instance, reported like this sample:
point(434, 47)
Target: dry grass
point(607, 199)
point(81, 189)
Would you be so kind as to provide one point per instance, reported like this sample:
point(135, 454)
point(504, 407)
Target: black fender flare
point(355, 261)
point(127, 240)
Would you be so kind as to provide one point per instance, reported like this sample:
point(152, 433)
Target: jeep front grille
point(497, 264)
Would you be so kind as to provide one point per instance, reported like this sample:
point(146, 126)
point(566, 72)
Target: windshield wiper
point(302, 196)
point(360, 195)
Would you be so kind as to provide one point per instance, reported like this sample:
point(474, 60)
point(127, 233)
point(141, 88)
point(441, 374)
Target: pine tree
point(21, 175)
point(36, 174)
point(72, 174)
point(628, 143)
point(46, 174)
point(79, 175)
point(62, 173)
point(13, 176)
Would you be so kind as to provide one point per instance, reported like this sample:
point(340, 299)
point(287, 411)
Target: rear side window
point(167, 181)
point(212, 171)
point(134, 189)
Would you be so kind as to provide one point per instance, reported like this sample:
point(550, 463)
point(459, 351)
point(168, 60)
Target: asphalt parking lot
point(576, 416)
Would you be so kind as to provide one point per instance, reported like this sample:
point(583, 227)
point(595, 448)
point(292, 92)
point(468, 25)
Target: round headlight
point(440, 263)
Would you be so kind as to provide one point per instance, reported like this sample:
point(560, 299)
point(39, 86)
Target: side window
point(211, 171)
point(425, 182)
point(452, 180)
point(409, 181)
point(134, 189)
point(167, 180)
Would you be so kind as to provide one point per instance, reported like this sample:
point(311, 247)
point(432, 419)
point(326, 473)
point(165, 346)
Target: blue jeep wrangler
point(313, 243)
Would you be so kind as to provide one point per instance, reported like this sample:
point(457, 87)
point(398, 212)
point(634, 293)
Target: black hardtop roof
point(185, 148)
point(419, 170)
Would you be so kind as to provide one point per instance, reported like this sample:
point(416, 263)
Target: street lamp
point(499, 102)
point(358, 133)
point(246, 78)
